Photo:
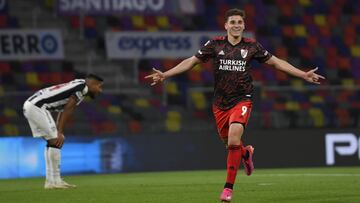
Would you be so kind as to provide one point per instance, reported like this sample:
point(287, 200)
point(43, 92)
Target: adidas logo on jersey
point(221, 53)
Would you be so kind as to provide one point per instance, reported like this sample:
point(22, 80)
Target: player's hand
point(156, 77)
point(312, 77)
point(60, 140)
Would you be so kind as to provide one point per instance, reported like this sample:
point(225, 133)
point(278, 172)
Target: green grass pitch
point(330, 185)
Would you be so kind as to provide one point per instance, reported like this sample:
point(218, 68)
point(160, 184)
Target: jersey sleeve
point(207, 51)
point(79, 93)
point(261, 54)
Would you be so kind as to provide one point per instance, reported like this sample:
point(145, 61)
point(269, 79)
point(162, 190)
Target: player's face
point(95, 88)
point(235, 26)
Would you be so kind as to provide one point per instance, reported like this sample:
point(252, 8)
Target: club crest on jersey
point(244, 52)
point(221, 53)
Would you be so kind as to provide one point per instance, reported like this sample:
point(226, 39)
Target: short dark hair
point(234, 12)
point(95, 77)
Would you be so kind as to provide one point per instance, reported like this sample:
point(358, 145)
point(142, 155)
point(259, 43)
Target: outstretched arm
point(183, 66)
point(63, 118)
point(282, 65)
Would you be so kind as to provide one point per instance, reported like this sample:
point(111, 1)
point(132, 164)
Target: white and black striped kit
point(37, 107)
point(54, 98)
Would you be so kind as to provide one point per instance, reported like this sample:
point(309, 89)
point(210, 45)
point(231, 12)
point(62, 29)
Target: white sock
point(55, 159)
point(47, 165)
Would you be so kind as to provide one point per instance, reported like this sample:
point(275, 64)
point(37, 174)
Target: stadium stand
point(307, 33)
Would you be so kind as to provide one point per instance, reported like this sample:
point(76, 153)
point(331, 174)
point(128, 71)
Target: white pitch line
point(265, 184)
point(309, 174)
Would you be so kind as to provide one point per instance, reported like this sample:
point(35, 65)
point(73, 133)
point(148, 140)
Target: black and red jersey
point(231, 65)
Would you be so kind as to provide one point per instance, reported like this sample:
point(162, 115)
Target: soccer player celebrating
point(233, 87)
point(62, 98)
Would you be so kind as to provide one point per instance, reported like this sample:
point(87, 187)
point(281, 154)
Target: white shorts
point(40, 120)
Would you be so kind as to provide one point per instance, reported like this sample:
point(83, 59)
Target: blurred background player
point(62, 98)
point(233, 87)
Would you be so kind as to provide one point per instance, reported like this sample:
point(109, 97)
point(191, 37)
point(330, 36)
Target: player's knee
point(53, 146)
point(52, 143)
point(236, 129)
point(235, 133)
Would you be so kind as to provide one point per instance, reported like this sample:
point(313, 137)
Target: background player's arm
point(282, 65)
point(183, 66)
point(63, 118)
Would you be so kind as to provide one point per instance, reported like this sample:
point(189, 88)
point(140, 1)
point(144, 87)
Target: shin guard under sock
point(233, 162)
